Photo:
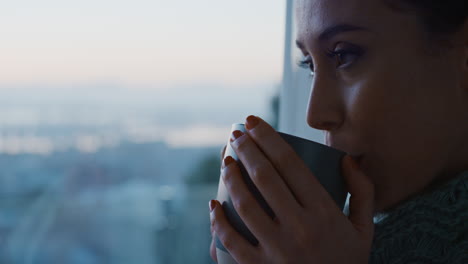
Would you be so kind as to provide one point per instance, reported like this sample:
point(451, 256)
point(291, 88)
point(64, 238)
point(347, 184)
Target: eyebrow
point(333, 31)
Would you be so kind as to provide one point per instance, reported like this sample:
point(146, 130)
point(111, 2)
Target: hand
point(308, 227)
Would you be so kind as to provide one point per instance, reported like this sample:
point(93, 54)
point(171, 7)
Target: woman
point(390, 87)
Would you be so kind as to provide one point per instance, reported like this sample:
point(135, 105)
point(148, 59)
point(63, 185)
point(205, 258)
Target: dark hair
point(440, 17)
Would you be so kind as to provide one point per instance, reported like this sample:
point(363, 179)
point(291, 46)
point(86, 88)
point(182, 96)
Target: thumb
point(361, 202)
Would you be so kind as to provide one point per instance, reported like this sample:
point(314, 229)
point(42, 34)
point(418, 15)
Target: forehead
point(314, 16)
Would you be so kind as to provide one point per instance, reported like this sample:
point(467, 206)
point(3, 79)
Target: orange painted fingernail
point(212, 205)
point(251, 122)
point(227, 161)
point(236, 134)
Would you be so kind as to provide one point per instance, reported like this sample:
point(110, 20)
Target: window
point(295, 90)
point(112, 117)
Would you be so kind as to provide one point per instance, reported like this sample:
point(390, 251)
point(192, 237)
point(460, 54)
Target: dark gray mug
point(323, 161)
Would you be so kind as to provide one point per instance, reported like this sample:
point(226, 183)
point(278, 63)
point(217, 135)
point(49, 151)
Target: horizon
point(147, 68)
point(94, 118)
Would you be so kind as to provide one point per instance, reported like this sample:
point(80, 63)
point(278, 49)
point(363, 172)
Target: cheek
point(375, 109)
point(401, 129)
point(393, 109)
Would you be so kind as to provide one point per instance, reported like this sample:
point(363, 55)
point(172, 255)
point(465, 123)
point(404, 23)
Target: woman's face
point(387, 97)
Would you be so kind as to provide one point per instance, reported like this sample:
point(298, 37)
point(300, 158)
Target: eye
point(345, 55)
point(343, 58)
point(307, 63)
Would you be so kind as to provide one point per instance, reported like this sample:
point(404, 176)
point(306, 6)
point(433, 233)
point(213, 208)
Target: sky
point(143, 44)
point(178, 71)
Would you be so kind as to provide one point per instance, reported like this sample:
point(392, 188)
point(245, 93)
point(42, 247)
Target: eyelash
point(306, 62)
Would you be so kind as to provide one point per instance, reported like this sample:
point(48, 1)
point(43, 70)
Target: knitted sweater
point(430, 228)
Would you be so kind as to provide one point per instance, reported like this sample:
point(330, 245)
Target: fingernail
point(212, 205)
point(236, 134)
point(227, 161)
point(251, 122)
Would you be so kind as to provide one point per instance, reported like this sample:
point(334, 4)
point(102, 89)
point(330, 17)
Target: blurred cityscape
point(125, 204)
point(88, 184)
point(101, 183)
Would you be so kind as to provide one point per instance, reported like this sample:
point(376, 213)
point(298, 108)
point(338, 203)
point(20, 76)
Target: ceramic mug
point(323, 161)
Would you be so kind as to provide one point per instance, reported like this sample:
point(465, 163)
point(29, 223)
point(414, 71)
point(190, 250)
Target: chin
point(383, 198)
point(386, 199)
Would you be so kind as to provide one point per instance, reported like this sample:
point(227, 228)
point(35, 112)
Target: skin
point(401, 103)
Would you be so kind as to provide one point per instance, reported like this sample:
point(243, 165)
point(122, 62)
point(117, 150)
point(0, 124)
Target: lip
point(329, 141)
point(356, 157)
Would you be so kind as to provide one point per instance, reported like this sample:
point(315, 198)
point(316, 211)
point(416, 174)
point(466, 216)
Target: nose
point(325, 110)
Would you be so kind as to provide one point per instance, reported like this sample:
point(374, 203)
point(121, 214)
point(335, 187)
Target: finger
point(213, 250)
point(361, 202)
point(248, 208)
point(239, 248)
point(264, 176)
point(211, 226)
point(223, 150)
point(212, 231)
point(298, 177)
